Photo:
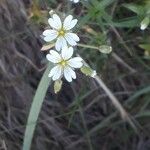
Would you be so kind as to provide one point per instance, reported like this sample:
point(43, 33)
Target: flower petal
point(73, 74)
point(49, 32)
point(55, 22)
point(50, 35)
point(56, 72)
point(74, 36)
point(67, 52)
point(75, 62)
point(60, 43)
point(70, 39)
point(53, 56)
point(75, 1)
point(69, 23)
point(69, 74)
point(73, 23)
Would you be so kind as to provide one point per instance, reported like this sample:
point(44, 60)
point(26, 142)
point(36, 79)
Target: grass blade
point(35, 108)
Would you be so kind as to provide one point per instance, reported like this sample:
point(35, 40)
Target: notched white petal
point(70, 40)
point(50, 35)
point(72, 24)
point(49, 32)
point(52, 23)
point(77, 59)
point(58, 72)
point(67, 22)
point(53, 71)
point(68, 74)
point(75, 62)
point(73, 74)
point(50, 38)
point(74, 36)
point(57, 19)
point(67, 52)
point(60, 43)
point(53, 56)
point(55, 22)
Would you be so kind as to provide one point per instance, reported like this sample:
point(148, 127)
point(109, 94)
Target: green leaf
point(137, 94)
point(135, 8)
point(145, 47)
point(36, 108)
point(105, 3)
point(143, 114)
point(102, 4)
point(128, 23)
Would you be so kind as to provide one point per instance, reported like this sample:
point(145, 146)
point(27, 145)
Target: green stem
point(88, 46)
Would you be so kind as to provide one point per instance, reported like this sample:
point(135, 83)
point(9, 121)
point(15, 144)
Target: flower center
point(63, 63)
point(61, 32)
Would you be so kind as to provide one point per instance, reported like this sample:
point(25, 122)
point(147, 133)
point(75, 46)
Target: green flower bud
point(105, 49)
point(57, 86)
point(145, 23)
point(88, 71)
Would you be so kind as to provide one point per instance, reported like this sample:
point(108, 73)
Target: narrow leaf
point(36, 108)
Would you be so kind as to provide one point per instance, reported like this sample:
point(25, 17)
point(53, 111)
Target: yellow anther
point(61, 32)
point(63, 63)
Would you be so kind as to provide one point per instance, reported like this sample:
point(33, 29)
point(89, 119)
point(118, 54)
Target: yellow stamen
point(61, 32)
point(63, 63)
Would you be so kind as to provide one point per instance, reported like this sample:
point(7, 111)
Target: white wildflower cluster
point(60, 33)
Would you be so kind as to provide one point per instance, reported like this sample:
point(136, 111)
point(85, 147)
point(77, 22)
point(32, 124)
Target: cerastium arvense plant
point(64, 39)
point(61, 43)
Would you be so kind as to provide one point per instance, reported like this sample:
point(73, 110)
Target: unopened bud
point(51, 12)
point(88, 71)
point(145, 23)
point(57, 86)
point(105, 49)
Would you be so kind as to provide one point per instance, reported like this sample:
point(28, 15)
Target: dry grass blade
point(116, 103)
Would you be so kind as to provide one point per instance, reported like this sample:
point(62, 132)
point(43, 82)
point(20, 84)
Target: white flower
point(75, 1)
point(64, 64)
point(61, 31)
point(143, 26)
